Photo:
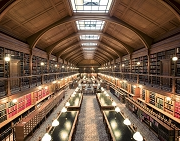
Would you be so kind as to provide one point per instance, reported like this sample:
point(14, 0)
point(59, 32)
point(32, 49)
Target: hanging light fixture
point(127, 121)
point(55, 123)
point(137, 136)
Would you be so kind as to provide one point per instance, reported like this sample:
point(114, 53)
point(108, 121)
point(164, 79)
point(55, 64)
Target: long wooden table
point(67, 125)
point(75, 102)
point(104, 101)
point(117, 129)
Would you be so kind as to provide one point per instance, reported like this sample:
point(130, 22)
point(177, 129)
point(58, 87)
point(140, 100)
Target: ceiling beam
point(104, 60)
point(33, 39)
point(128, 49)
point(103, 56)
point(72, 53)
point(73, 45)
point(72, 56)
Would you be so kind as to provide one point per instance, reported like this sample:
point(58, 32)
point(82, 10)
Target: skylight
point(89, 37)
point(101, 6)
point(89, 44)
point(89, 49)
point(90, 24)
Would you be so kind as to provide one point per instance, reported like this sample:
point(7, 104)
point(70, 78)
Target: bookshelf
point(152, 98)
point(1, 62)
point(169, 106)
point(126, 65)
point(3, 115)
point(159, 102)
point(143, 96)
point(26, 127)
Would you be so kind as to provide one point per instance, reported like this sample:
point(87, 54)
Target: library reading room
point(89, 70)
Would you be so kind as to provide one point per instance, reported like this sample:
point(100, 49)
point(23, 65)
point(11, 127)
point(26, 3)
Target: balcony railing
point(167, 83)
point(13, 85)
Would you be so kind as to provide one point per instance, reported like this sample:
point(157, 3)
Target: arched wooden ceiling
point(50, 25)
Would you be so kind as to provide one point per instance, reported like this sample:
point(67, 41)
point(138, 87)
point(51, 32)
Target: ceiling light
point(113, 103)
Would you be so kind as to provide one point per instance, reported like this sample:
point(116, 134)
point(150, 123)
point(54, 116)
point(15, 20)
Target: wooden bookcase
point(152, 98)
point(3, 114)
point(169, 106)
point(26, 126)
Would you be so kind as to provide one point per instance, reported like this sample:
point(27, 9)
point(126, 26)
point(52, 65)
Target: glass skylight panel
point(89, 44)
point(101, 6)
point(89, 49)
point(89, 37)
point(90, 24)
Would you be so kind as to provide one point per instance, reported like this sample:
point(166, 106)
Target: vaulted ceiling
point(52, 26)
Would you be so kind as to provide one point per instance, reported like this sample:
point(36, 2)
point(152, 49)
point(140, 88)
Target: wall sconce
point(54, 82)
point(55, 65)
point(138, 63)
point(168, 98)
point(62, 66)
point(174, 58)
point(123, 65)
point(14, 100)
point(42, 63)
point(134, 86)
point(7, 58)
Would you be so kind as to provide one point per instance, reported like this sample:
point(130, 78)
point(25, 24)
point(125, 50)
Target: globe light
point(175, 58)
point(64, 109)
point(113, 103)
point(42, 63)
point(67, 104)
point(7, 59)
point(117, 109)
point(138, 63)
point(55, 123)
point(137, 136)
point(127, 121)
point(14, 100)
point(46, 137)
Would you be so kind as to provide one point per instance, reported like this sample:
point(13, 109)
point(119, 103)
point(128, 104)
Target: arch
point(72, 56)
point(74, 45)
point(32, 40)
point(126, 47)
point(72, 53)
